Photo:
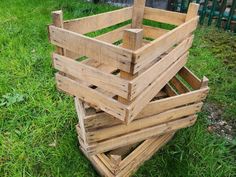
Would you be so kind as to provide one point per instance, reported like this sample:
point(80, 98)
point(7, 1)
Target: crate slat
point(160, 45)
point(174, 18)
point(96, 22)
point(94, 49)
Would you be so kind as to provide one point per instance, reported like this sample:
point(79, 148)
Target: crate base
point(125, 161)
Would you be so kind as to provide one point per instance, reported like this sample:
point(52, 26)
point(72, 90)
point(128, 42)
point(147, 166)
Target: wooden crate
point(175, 107)
point(126, 160)
point(120, 80)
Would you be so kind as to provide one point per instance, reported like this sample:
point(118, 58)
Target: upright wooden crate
point(121, 80)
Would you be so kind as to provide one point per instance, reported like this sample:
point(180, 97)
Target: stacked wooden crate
point(130, 98)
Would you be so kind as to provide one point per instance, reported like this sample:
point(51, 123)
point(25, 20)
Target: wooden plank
point(114, 131)
point(141, 135)
point(96, 22)
point(154, 49)
point(138, 151)
point(169, 90)
point(99, 166)
point(91, 75)
point(153, 32)
point(113, 36)
point(192, 11)
point(123, 151)
point(154, 107)
point(109, 37)
point(107, 162)
point(164, 16)
point(92, 96)
point(150, 75)
point(131, 165)
point(144, 98)
point(178, 84)
point(137, 14)
point(92, 48)
point(190, 77)
point(175, 101)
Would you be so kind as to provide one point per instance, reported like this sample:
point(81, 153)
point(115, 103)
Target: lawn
point(37, 123)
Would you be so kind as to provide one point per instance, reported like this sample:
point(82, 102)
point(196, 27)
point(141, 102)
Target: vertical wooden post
point(192, 11)
point(138, 11)
point(132, 39)
point(204, 82)
point(57, 19)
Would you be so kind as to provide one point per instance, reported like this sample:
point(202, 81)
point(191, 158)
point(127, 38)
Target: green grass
point(37, 123)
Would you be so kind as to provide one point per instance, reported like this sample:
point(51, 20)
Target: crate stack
point(131, 87)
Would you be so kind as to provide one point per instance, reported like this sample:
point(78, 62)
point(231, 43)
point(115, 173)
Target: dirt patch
point(217, 124)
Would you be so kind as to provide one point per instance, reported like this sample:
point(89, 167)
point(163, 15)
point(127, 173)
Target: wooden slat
point(164, 16)
point(178, 84)
point(114, 35)
point(169, 90)
point(96, 22)
point(92, 48)
point(109, 37)
point(151, 74)
point(92, 96)
point(154, 49)
point(97, 163)
point(141, 135)
point(91, 75)
point(144, 98)
point(135, 159)
point(107, 162)
point(138, 151)
point(154, 107)
point(190, 77)
point(175, 101)
point(153, 32)
point(113, 131)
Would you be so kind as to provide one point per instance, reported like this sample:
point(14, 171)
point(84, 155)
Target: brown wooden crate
point(151, 66)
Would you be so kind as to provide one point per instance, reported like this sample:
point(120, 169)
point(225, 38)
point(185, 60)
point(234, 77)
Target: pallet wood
point(128, 164)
